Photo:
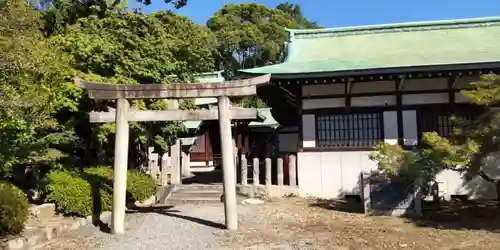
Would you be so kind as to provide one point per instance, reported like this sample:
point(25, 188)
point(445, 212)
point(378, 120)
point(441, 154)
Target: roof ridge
point(406, 26)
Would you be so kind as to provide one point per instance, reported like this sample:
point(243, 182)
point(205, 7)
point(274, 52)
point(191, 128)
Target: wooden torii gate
point(124, 92)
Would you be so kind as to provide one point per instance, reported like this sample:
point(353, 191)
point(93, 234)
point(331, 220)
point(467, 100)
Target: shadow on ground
point(207, 178)
point(168, 211)
point(455, 215)
point(347, 205)
point(468, 215)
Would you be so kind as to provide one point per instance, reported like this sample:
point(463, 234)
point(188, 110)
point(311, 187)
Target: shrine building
point(341, 91)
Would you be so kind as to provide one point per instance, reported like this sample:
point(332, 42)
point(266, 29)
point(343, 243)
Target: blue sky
point(332, 13)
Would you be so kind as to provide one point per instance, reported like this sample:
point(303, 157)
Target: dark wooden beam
point(399, 109)
point(347, 91)
point(452, 81)
point(401, 84)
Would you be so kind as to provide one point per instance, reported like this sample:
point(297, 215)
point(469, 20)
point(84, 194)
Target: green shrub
point(74, 195)
point(13, 209)
point(139, 186)
point(90, 191)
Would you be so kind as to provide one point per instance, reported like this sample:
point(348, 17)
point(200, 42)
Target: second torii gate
point(124, 92)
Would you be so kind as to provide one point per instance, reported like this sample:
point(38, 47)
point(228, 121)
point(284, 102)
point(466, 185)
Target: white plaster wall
point(454, 183)
point(323, 103)
point(372, 101)
point(408, 99)
point(391, 127)
point(288, 142)
point(459, 98)
point(373, 87)
point(425, 84)
point(410, 132)
point(331, 175)
point(464, 82)
point(323, 89)
point(308, 131)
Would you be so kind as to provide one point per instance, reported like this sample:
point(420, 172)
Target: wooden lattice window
point(436, 120)
point(360, 130)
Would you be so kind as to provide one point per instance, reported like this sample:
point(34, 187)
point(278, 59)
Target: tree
point(295, 11)
point(32, 72)
point(135, 48)
point(59, 14)
point(250, 35)
point(468, 149)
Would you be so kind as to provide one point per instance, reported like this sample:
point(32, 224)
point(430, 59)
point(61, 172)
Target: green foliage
point(135, 49)
point(250, 102)
point(467, 149)
point(295, 11)
point(73, 195)
point(138, 48)
point(32, 72)
point(13, 209)
point(140, 186)
point(91, 190)
point(250, 35)
point(391, 159)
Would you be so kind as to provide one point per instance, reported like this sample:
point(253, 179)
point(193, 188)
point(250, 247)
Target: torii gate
point(124, 92)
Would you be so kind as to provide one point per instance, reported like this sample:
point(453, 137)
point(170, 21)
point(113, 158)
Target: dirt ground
point(301, 224)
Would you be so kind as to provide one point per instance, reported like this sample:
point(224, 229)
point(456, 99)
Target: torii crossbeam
point(122, 116)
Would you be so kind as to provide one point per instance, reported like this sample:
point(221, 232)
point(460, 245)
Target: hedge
point(90, 191)
point(13, 209)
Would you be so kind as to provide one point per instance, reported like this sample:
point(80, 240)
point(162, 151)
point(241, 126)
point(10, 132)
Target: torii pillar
point(123, 92)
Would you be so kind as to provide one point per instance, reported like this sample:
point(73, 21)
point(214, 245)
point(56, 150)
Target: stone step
point(199, 187)
point(198, 191)
point(42, 212)
point(193, 194)
point(174, 199)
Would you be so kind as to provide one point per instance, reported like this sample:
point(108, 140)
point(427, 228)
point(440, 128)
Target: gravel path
point(286, 224)
point(188, 226)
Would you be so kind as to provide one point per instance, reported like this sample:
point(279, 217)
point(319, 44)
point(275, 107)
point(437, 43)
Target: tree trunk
point(497, 185)
point(493, 181)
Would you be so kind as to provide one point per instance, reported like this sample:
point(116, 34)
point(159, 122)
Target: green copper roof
point(209, 77)
point(267, 119)
point(465, 41)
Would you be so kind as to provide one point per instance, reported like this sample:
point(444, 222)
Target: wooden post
point(120, 167)
point(244, 170)
point(256, 166)
point(280, 172)
point(293, 170)
point(228, 168)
